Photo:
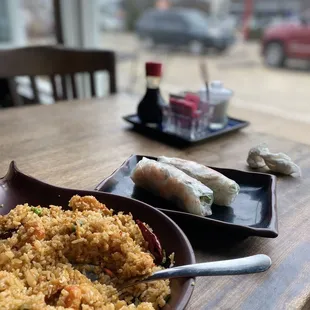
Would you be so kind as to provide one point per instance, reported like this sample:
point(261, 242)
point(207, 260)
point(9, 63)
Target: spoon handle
point(251, 264)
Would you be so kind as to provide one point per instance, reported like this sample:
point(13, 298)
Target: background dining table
point(76, 144)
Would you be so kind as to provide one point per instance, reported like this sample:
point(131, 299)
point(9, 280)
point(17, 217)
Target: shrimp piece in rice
point(70, 297)
point(88, 203)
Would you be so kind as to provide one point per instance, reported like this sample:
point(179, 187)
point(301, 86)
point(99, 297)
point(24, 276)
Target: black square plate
point(253, 213)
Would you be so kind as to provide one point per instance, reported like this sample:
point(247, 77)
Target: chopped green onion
point(167, 298)
point(80, 222)
point(137, 302)
point(206, 199)
point(24, 307)
point(37, 211)
point(73, 228)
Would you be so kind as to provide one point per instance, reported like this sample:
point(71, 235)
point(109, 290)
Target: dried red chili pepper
point(153, 243)
point(108, 272)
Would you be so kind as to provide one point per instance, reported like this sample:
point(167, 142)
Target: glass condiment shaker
point(219, 97)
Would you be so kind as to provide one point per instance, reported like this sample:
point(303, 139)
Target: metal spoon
point(251, 264)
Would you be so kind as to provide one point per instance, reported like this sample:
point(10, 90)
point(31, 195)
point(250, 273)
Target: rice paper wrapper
point(224, 189)
point(174, 185)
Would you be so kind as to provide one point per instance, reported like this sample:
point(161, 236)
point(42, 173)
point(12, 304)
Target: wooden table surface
point(77, 144)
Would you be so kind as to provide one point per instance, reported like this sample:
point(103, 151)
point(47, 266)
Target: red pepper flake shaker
point(185, 115)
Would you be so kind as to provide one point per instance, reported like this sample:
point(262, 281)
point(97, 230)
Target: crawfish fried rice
point(44, 260)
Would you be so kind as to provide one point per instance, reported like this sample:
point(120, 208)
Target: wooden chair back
point(53, 61)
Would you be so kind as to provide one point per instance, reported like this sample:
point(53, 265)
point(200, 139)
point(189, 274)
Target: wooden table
point(77, 144)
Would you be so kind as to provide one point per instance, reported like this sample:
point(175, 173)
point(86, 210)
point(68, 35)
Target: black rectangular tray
point(253, 213)
point(155, 132)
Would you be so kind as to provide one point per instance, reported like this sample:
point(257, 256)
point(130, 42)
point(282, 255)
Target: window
point(39, 21)
point(5, 30)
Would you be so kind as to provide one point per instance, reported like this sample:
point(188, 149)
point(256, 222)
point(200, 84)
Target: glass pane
point(225, 34)
point(175, 33)
point(39, 21)
point(5, 30)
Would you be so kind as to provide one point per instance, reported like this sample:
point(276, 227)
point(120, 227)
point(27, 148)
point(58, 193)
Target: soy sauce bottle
point(150, 108)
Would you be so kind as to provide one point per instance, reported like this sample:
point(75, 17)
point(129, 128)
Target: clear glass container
point(219, 98)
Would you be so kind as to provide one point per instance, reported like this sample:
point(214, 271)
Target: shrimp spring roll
point(172, 184)
point(224, 189)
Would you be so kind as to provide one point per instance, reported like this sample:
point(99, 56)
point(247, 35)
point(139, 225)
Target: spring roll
point(172, 184)
point(224, 189)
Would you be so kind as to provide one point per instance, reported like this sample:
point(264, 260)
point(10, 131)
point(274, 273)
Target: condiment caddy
point(188, 117)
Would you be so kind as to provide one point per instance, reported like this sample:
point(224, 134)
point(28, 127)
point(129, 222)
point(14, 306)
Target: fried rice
point(43, 262)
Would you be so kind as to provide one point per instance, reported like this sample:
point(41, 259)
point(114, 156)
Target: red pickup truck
point(287, 40)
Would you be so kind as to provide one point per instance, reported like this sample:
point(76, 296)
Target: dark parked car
point(182, 27)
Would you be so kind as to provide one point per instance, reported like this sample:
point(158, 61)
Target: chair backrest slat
point(34, 89)
point(64, 87)
point(73, 86)
point(14, 94)
point(113, 87)
point(55, 61)
point(54, 87)
point(92, 84)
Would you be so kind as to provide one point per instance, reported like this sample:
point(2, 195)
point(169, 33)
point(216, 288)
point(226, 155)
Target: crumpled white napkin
point(260, 156)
